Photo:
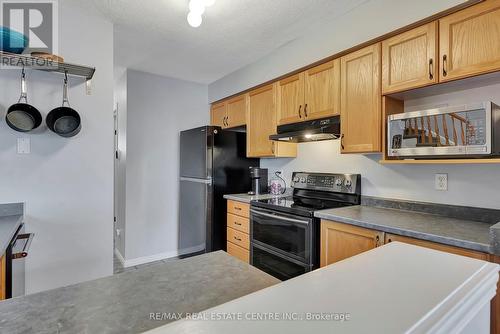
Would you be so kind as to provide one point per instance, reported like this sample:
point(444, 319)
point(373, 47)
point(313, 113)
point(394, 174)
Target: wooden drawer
point(3, 283)
point(241, 224)
point(437, 246)
point(238, 252)
point(238, 208)
point(239, 238)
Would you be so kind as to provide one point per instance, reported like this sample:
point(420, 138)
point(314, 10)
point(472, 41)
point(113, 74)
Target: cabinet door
point(322, 95)
point(291, 99)
point(361, 105)
point(470, 41)
point(440, 247)
point(218, 114)
point(409, 60)
point(341, 241)
point(236, 111)
point(261, 122)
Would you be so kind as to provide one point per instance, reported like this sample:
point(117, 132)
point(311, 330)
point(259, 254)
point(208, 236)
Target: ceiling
point(154, 36)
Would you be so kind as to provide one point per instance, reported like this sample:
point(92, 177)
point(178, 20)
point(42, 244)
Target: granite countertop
point(11, 217)
point(451, 231)
point(245, 198)
point(124, 303)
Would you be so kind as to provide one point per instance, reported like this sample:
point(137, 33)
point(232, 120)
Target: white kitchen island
point(397, 288)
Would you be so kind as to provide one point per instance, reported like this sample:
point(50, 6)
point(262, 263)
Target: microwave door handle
point(24, 253)
point(304, 222)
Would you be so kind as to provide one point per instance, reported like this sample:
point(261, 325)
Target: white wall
point(120, 92)
point(368, 21)
point(67, 184)
point(158, 108)
point(469, 185)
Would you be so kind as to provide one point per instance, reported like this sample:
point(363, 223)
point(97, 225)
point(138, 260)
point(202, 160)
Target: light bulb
point(197, 6)
point(209, 3)
point(308, 136)
point(194, 19)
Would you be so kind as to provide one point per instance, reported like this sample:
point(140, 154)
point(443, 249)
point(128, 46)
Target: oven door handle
point(304, 222)
point(24, 253)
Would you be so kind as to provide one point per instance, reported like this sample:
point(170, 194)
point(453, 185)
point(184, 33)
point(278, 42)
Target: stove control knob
point(302, 180)
point(296, 179)
point(339, 182)
point(348, 183)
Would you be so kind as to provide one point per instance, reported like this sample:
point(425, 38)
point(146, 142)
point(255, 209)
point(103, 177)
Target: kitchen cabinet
point(410, 59)
point(262, 123)
point(3, 283)
point(218, 114)
point(238, 229)
point(230, 113)
point(440, 247)
point(341, 241)
point(312, 94)
point(469, 41)
point(360, 100)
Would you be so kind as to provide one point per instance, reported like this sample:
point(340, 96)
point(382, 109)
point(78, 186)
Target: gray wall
point(370, 20)
point(67, 184)
point(158, 108)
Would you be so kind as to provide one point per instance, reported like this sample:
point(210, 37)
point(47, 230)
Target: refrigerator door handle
point(190, 179)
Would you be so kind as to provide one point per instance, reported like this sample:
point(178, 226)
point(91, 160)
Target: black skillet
point(23, 117)
point(64, 120)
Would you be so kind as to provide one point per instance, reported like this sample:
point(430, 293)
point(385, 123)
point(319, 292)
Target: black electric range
point(285, 235)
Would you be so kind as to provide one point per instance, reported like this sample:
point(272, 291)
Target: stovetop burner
point(313, 192)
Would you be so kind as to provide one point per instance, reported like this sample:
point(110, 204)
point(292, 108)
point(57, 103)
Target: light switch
point(23, 146)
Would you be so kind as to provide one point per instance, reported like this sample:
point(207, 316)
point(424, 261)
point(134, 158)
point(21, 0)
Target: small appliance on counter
point(285, 235)
point(259, 178)
point(469, 130)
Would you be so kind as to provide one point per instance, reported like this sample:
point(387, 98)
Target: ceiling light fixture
point(196, 10)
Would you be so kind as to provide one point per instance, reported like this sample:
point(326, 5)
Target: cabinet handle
point(237, 208)
point(224, 121)
point(342, 141)
point(227, 120)
point(235, 223)
point(305, 110)
point(389, 240)
point(445, 65)
point(377, 241)
point(431, 70)
point(300, 111)
point(272, 148)
point(237, 239)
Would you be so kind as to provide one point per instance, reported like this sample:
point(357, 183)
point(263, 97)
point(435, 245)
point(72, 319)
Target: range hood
point(315, 130)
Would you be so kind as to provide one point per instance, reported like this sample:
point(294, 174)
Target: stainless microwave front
point(456, 131)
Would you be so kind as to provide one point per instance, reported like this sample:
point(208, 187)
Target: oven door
point(285, 234)
point(276, 264)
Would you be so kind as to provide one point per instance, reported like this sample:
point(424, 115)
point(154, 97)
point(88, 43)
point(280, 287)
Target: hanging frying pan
point(23, 117)
point(64, 121)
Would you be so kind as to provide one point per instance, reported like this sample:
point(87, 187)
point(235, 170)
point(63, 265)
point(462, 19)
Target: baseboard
point(161, 256)
point(119, 256)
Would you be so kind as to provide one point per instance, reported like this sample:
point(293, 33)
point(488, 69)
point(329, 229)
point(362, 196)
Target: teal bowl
point(12, 41)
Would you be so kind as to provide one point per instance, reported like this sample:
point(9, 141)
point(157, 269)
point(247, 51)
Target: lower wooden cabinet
point(341, 241)
point(3, 285)
point(238, 252)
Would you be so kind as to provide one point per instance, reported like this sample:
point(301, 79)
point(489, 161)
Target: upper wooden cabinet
point(236, 111)
point(360, 100)
point(291, 99)
point(322, 93)
point(230, 113)
point(410, 59)
point(262, 123)
point(311, 94)
point(470, 41)
point(218, 114)
point(341, 241)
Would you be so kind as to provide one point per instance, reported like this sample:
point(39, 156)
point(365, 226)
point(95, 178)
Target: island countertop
point(124, 303)
point(11, 217)
point(396, 288)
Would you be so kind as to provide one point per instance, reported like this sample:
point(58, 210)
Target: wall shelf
point(440, 162)
point(40, 64)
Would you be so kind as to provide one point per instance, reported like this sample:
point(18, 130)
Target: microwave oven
point(470, 130)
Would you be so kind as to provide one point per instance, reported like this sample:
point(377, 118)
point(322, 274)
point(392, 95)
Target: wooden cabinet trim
point(236, 111)
point(3, 277)
point(322, 95)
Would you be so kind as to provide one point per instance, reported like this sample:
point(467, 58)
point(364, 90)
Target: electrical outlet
point(441, 182)
point(23, 146)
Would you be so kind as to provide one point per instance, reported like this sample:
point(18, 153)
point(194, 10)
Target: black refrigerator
point(213, 163)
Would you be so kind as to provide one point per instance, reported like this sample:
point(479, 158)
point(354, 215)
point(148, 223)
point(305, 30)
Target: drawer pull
point(236, 223)
point(238, 239)
point(237, 208)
